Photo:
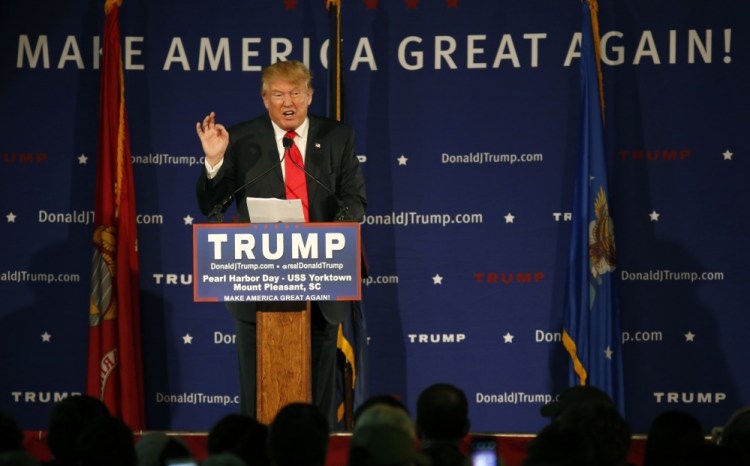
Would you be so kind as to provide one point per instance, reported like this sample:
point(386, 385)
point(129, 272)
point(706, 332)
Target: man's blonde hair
point(292, 71)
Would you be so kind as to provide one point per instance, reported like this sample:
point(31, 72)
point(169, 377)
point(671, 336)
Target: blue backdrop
point(467, 117)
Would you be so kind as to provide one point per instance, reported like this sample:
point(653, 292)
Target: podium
point(282, 268)
point(284, 364)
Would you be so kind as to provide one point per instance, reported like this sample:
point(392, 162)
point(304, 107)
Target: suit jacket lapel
point(314, 158)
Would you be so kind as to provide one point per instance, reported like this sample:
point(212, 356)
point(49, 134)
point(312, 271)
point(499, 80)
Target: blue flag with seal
point(591, 327)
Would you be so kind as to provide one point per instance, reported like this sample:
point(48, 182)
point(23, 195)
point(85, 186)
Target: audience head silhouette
point(442, 413)
point(587, 434)
point(381, 414)
point(389, 400)
point(11, 436)
point(157, 448)
point(298, 436)
point(106, 441)
point(735, 434)
point(240, 435)
point(69, 417)
point(384, 436)
point(673, 437)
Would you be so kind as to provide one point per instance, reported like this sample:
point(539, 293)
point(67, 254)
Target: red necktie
point(296, 181)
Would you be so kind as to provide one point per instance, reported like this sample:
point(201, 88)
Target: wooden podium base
point(284, 373)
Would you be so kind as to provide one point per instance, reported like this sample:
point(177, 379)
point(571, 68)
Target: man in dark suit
point(254, 149)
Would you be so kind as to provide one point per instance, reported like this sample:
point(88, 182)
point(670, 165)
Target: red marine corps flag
point(115, 373)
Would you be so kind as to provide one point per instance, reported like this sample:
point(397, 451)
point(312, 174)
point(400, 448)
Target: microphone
point(218, 209)
point(343, 213)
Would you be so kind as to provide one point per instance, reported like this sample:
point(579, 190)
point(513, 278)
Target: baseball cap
point(575, 396)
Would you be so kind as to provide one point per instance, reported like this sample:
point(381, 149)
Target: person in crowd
point(158, 449)
point(384, 435)
point(280, 155)
point(556, 445)
point(442, 424)
point(12, 452)
point(381, 414)
point(384, 445)
point(69, 417)
point(17, 458)
point(735, 435)
point(575, 396)
point(673, 438)
point(240, 435)
point(106, 441)
point(587, 434)
point(223, 459)
point(298, 436)
point(388, 400)
point(710, 454)
point(11, 436)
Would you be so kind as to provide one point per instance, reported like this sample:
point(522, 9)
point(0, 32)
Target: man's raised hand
point(214, 139)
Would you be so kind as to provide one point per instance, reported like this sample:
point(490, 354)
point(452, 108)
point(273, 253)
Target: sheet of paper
point(272, 210)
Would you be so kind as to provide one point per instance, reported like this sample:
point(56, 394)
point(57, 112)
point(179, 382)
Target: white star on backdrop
point(608, 353)
point(654, 215)
point(437, 279)
point(690, 336)
point(11, 217)
point(509, 218)
point(187, 339)
point(82, 159)
point(727, 155)
point(46, 337)
point(402, 160)
point(188, 220)
point(508, 338)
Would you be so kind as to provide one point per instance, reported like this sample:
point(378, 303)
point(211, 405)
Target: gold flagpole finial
point(108, 4)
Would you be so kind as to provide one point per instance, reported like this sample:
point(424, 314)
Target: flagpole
point(591, 327)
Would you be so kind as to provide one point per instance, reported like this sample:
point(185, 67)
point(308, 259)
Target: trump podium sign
point(277, 262)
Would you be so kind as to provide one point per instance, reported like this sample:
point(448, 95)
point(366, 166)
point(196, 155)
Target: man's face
point(287, 103)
